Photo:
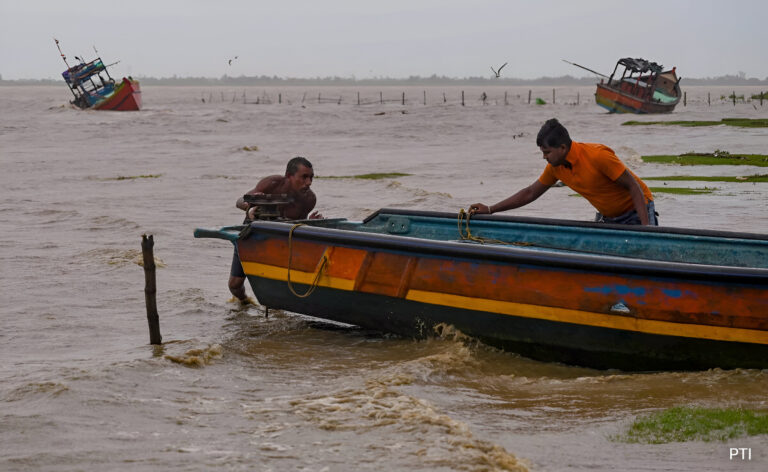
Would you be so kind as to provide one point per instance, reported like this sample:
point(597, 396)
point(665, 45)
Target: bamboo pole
point(425, 98)
point(150, 289)
point(358, 98)
point(734, 98)
point(462, 98)
point(529, 97)
point(279, 98)
point(403, 98)
point(709, 99)
point(553, 96)
point(685, 99)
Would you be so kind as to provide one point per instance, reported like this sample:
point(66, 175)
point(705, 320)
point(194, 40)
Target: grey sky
point(393, 38)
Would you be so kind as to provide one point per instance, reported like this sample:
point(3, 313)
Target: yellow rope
point(323, 263)
point(465, 216)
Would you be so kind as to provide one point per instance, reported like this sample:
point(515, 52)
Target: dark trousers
point(631, 217)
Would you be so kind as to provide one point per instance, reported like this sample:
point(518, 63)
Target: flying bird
point(497, 73)
point(230, 61)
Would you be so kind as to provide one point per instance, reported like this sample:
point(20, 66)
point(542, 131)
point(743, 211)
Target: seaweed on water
point(685, 423)
point(373, 176)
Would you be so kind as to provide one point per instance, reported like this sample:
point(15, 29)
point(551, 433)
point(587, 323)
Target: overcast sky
point(386, 38)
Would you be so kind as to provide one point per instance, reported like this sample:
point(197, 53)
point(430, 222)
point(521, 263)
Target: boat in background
point(598, 295)
point(652, 90)
point(92, 90)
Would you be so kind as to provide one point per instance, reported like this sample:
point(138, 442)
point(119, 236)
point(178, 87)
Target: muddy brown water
point(80, 388)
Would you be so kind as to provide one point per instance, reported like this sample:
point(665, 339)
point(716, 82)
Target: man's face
point(555, 155)
point(302, 179)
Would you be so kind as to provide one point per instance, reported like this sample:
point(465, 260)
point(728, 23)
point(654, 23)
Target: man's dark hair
point(553, 134)
point(293, 164)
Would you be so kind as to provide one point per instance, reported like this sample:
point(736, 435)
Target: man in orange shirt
point(592, 170)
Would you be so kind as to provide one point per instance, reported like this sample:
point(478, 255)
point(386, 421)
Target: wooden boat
point(590, 294)
point(93, 90)
point(652, 90)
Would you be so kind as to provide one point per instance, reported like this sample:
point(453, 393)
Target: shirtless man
point(295, 183)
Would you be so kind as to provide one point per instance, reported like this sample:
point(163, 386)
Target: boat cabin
point(87, 82)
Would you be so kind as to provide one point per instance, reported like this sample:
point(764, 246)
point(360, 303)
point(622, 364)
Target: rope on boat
point(323, 263)
point(465, 216)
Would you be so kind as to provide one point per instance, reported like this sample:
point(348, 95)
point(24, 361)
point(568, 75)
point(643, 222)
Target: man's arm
point(627, 181)
point(521, 198)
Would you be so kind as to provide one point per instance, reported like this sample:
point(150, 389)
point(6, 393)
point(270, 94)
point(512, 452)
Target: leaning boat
point(590, 294)
point(652, 90)
point(92, 90)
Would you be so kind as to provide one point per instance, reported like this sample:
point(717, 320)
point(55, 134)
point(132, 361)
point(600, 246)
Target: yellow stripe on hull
point(565, 315)
point(562, 315)
point(297, 276)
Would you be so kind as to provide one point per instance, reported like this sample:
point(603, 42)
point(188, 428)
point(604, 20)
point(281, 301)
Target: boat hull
point(540, 339)
point(603, 311)
point(126, 97)
point(616, 101)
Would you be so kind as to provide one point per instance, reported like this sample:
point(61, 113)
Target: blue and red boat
point(590, 294)
point(94, 88)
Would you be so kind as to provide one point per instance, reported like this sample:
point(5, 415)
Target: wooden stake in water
point(529, 97)
point(685, 99)
point(462, 98)
point(150, 289)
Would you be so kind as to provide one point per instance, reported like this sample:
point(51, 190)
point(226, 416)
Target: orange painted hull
point(615, 100)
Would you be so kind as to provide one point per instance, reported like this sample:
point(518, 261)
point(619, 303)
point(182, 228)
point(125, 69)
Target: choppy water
point(80, 388)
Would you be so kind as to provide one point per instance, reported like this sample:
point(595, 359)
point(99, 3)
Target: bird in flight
point(230, 61)
point(497, 73)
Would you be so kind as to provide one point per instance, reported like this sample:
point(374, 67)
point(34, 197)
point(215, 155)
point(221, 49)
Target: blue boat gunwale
point(574, 223)
point(515, 255)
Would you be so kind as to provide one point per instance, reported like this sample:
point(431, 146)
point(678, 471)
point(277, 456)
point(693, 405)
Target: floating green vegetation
point(732, 96)
point(378, 176)
point(722, 178)
point(682, 190)
point(250, 148)
point(134, 177)
point(760, 96)
point(715, 158)
point(680, 424)
point(740, 122)
point(540, 101)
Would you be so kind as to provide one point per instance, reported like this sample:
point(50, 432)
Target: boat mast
point(69, 69)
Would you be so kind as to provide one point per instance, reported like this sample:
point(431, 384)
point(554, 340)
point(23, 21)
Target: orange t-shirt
point(594, 169)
